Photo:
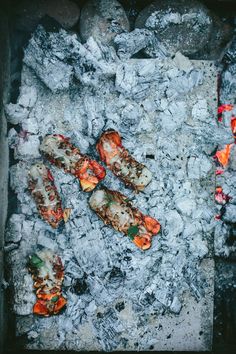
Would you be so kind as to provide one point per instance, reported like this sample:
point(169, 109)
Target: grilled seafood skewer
point(116, 210)
point(43, 190)
point(121, 163)
point(60, 152)
point(48, 274)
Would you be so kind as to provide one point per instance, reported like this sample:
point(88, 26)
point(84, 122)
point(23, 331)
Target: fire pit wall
point(119, 298)
point(4, 163)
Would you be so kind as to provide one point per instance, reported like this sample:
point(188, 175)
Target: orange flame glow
point(219, 171)
point(223, 155)
point(221, 197)
point(233, 126)
point(224, 108)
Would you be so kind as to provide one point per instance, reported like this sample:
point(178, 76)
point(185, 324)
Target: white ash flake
point(153, 104)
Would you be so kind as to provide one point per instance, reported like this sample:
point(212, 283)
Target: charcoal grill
point(197, 316)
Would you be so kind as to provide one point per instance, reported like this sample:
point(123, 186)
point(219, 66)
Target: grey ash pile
point(165, 109)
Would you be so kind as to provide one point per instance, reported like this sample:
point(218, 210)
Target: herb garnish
point(133, 231)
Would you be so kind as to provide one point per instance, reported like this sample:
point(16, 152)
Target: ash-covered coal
point(228, 86)
point(228, 76)
point(220, 35)
point(185, 26)
point(57, 69)
point(181, 25)
point(230, 54)
point(103, 20)
point(133, 42)
point(155, 106)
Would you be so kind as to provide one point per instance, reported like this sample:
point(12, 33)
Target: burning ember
point(224, 108)
point(222, 156)
point(219, 171)
point(233, 126)
point(220, 196)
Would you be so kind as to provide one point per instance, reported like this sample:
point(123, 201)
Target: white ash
point(57, 68)
point(14, 232)
point(103, 268)
point(232, 160)
point(230, 214)
point(18, 112)
point(221, 235)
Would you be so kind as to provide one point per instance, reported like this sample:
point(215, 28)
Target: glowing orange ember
point(233, 126)
point(220, 196)
point(218, 217)
point(224, 108)
point(219, 171)
point(223, 155)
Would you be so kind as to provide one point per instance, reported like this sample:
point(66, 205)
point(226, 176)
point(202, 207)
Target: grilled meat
point(45, 194)
point(116, 210)
point(60, 152)
point(121, 163)
point(48, 274)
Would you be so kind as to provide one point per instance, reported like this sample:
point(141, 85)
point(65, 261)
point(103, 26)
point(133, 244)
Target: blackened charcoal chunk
point(148, 299)
point(231, 240)
point(103, 20)
point(80, 286)
point(120, 306)
point(29, 13)
point(181, 25)
point(230, 55)
point(65, 12)
point(116, 277)
point(221, 34)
